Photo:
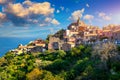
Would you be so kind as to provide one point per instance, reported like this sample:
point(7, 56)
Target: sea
point(9, 43)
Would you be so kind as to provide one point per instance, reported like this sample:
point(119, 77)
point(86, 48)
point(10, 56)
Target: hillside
point(101, 62)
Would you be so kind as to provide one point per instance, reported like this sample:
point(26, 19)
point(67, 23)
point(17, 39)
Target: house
point(90, 37)
point(116, 35)
point(21, 47)
point(39, 42)
point(55, 43)
point(109, 31)
point(29, 48)
point(108, 34)
point(37, 49)
point(77, 26)
point(91, 34)
point(71, 39)
point(66, 46)
point(100, 33)
point(73, 44)
point(69, 33)
point(16, 51)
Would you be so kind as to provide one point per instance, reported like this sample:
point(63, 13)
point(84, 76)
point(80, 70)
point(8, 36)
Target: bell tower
point(78, 21)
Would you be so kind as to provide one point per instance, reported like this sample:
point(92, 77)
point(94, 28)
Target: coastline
point(8, 43)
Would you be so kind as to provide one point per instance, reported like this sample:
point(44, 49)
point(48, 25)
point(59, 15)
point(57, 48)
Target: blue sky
point(35, 18)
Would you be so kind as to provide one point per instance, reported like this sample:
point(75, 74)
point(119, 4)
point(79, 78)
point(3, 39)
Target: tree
point(35, 74)
point(75, 52)
point(60, 53)
point(60, 33)
point(104, 55)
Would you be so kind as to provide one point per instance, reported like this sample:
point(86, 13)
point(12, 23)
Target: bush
point(35, 74)
point(75, 52)
point(58, 65)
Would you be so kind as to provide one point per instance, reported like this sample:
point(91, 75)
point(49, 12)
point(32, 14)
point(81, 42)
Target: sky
point(34, 18)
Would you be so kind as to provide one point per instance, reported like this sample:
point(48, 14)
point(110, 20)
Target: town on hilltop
point(77, 33)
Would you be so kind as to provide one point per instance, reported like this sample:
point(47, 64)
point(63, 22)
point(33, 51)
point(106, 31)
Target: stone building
point(55, 43)
point(66, 46)
point(116, 35)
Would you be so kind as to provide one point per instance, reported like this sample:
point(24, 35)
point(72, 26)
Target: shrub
point(35, 74)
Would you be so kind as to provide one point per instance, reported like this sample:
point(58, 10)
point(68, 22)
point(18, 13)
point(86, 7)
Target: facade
point(16, 51)
point(39, 42)
point(116, 35)
point(66, 46)
point(111, 32)
point(108, 34)
point(76, 26)
point(55, 43)
point(21, 47)
point(34, 46)
point(37, 49)
point(90, 37)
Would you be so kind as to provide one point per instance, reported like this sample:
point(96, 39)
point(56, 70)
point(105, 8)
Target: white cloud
point(108, 18)
point(41, 8)
point(101, 14)
point(2, 17)
point(58, 11)
point(88, 17)
point(42, 24)
point(3, 2)
point(55, 22)
point(87, 5)
point(78, 13)
point(48, 19)
point(17, 10)
point(33, 8)
point(27, 2)
point(62, 8)
point(35, 21)
point(104, 16)
point(27, 12)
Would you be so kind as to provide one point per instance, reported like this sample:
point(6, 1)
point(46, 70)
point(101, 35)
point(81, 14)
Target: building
point(66, 46)
point(108, 34)
point(69, 33)
point(16, 51)
point(55, 43)
point(21, 47)
point(39, 42)
point(77, 26)
point(37, 49)
point(116, 35)
point(111, 32)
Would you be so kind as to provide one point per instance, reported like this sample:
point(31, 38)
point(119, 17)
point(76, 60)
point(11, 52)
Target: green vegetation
point(101, 62)
point(59, 34)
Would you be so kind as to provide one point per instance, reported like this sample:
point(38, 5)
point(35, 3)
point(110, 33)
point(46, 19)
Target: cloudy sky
point(34, 18)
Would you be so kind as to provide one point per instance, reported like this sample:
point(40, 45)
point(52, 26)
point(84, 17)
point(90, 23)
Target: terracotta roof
point(118, 30)
point(91, 35)
point(39, 41)
point(106, 30)
point(30, 46)
point(70, 42)
point(21, 47)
